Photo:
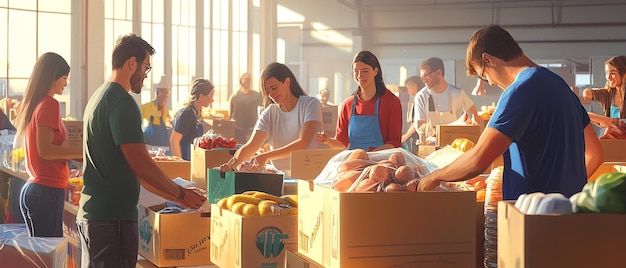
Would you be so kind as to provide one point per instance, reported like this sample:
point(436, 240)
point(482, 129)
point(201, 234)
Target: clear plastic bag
point(330, 173)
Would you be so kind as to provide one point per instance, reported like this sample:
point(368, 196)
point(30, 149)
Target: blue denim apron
point(364, 130)
point(614, 111)
point(157, 135)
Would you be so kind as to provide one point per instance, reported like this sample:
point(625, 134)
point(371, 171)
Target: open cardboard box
point(399, 229)
point(573, 240)
point(446, 134)
point(174, 239)
point(242, 242)
point(203, 159)
point(74, 133)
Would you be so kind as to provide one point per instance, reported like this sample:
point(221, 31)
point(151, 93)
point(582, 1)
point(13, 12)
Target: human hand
point(193, 197)
point(428, 183)
point(228, 166)
point(259, 160)
point(321, 137)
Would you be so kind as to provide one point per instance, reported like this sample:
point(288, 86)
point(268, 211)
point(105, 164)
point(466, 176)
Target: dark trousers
point(108, 243)
point(42, 209)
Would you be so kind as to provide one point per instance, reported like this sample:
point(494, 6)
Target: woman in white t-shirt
point(289, 121)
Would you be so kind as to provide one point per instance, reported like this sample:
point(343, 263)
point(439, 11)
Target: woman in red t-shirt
point(39, 125)
point(370, 119)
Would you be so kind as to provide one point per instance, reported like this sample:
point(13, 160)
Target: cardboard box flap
point(224, 184)
point(148, 199)
point(307, 164)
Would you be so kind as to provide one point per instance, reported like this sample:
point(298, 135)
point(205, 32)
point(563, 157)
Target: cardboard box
point(175, 169)
point(613, 150)
point(447, 133)
point(175, 239)
point(225, 184)
point(330, 115)
point(401, 229)
point(574, 240)
point(238, 241)
point(74, 132)
point(18, 249)
point(307, 164)
point(202, 159)
point(222, 127)
point(606, 167)
point(424, 150)
point(297, 260)
point(480, 234)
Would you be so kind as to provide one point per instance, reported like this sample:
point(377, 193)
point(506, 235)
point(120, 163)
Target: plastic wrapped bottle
point(492, 197)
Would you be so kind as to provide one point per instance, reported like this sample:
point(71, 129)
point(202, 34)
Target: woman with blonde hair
point(39, 125)
point(188, 120)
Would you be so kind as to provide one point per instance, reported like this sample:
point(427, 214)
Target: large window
point(118, 21)
point(226, 46)
point(30, 29)
point(183, 44)
point(153, 31)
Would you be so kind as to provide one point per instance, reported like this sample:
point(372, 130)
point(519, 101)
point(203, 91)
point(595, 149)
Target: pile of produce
point(477, 184)
point(393, 170)
point(607, 194)
point(255, 203)
point(211, 141)
point(462, 144)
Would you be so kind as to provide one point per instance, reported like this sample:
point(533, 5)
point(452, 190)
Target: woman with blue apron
point(364, 130)
point(372, 119)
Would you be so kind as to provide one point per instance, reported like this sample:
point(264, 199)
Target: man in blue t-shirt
point(539, 125)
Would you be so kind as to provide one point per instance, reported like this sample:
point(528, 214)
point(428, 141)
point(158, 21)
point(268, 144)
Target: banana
point(266, 196)
point(249, 192)
point(248, 199)
point(237, 208)
point(250, 210)
point(222, 203)
point(291, 199)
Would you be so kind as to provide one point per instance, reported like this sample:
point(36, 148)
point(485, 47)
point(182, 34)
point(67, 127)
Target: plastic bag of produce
point(350, 167)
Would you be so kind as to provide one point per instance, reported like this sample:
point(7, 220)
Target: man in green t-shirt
point(116, 161)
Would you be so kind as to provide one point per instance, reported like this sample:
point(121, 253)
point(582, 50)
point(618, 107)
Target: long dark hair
point(281, 72)
point(370, 59)
point(619, 62)
point(48, 68)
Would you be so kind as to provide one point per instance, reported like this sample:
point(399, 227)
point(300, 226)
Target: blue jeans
point(42, 209)
point(108, 243)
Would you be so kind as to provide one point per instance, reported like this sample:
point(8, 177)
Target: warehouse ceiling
point(367, 10)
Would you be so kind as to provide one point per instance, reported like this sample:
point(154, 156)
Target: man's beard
point(136, 81)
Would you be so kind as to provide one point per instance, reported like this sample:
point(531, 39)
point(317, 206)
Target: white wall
point(405, 35)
